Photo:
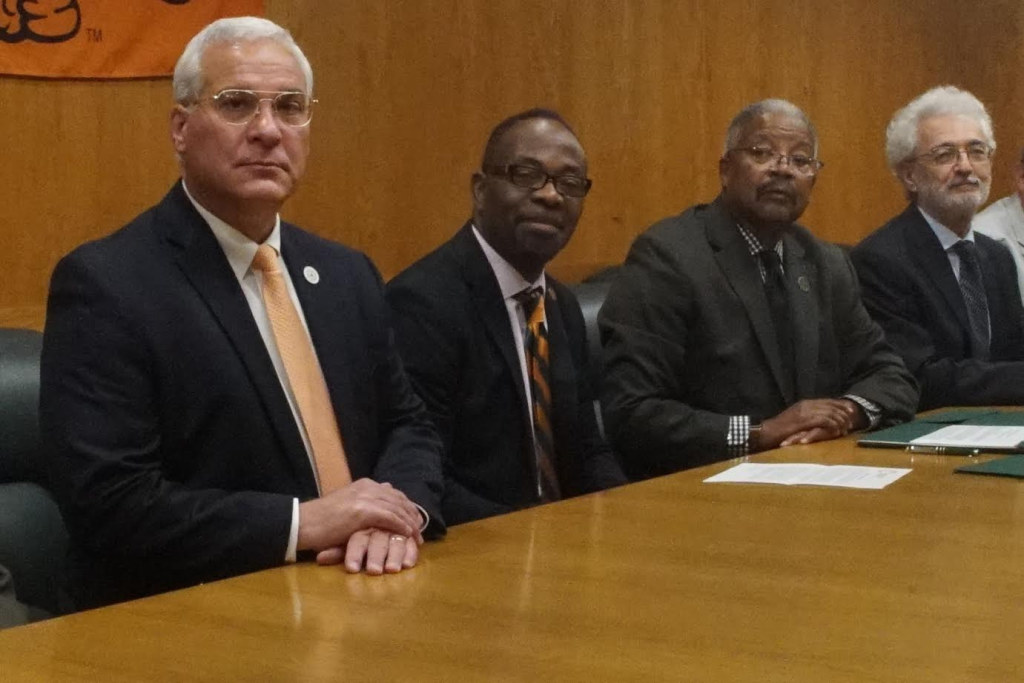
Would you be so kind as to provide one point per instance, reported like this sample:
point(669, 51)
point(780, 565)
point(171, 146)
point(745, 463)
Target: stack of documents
point(966, 439)
point(961, 431)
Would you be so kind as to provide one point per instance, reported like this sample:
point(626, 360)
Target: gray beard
point(951, 209)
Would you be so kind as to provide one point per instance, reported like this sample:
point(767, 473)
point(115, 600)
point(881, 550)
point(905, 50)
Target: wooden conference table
point(668, 579)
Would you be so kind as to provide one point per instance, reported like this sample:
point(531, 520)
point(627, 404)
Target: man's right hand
point(328, 522)
point(829, 417)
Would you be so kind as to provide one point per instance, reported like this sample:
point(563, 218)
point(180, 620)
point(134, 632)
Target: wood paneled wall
point(409, 90)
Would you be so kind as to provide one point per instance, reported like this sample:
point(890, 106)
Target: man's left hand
point(858, 421)
point(375, 550)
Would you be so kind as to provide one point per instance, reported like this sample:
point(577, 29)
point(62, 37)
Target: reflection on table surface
point(665, 579)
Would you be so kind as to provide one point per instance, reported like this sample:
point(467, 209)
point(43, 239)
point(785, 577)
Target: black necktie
point(778, 302)
point(537, 356)
point(973, 289)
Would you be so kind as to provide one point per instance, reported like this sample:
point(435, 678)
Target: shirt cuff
point(426, 518)
point(871, 409)
point(291, 553)
point(737, 439)
point(293, 533)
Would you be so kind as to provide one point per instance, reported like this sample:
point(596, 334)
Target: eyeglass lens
point(241, 106)
point(534, 178)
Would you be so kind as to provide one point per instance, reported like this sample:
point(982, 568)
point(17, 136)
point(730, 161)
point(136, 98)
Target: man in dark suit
point(732, 329)
point(463, 324)
point(220, 389)
point(946, 296)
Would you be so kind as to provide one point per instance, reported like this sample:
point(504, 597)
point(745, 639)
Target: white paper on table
point(973, 436)
point(847, 476)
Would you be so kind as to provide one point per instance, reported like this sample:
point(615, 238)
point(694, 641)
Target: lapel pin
point(803, 283)
point(312, 276)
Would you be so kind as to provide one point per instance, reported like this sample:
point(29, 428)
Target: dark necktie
point(973, 289)
point(778, 302)
point(536, 347)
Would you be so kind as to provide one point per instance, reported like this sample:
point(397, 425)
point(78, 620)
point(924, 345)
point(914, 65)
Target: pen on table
point(944, 450)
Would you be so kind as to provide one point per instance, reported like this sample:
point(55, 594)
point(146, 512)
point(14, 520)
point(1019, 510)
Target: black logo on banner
point(44, 21)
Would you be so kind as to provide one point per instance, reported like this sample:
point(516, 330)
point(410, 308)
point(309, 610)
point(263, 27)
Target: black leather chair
point(591, 294)
point(591, 297)
point(33, 539)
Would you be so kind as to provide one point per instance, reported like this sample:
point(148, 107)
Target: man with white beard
point(945, 295)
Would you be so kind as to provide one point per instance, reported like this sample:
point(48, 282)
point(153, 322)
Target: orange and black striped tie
point(536, 346)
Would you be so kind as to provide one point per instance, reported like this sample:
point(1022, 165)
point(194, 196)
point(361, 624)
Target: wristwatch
point(754, 437)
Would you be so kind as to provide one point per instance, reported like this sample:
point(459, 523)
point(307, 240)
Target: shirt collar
point(947, 238)
point(754, 245)
point(239, 249)
point(510, 280)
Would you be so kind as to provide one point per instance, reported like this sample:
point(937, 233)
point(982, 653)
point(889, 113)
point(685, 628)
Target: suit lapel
point(490, 305)
point(332, 316)
point(801, 287)
point(206, 267)
point(738, 266)
point(926, 250)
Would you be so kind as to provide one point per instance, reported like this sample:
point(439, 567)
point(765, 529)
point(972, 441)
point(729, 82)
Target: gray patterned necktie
point(973, 289)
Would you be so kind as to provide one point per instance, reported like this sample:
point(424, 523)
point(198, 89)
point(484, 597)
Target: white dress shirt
point(1003, 221)
point(240, 251)
point(511, 282)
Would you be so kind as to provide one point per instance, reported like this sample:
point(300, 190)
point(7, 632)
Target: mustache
point(970, 180)
point(776, 186)
point(541, 218)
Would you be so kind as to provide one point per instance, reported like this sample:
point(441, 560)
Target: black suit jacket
point(689, 341)
point(453, 331)
point(910, 288)
point(175, 453)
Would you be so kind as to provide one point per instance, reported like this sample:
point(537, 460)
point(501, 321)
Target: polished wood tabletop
point(668, 579)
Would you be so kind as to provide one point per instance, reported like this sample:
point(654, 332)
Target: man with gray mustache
point(946, 295)
point(731, 329)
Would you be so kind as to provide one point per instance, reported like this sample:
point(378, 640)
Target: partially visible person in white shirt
point(1003, 221)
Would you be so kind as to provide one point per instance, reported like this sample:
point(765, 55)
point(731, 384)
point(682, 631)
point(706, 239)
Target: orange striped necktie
point(304, 374)
point(537, 357)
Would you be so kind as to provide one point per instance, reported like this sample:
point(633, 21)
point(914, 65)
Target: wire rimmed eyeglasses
point(239, 107)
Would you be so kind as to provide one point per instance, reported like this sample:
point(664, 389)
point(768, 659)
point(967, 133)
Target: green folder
point(900, 436)
point(1012, 466)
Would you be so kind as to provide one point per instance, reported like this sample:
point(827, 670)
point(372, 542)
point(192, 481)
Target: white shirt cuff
point(426, 518)
point(293, 533)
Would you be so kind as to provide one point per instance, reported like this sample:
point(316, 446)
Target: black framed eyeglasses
point(239, 107)
point(800, 163)
point(533, 178)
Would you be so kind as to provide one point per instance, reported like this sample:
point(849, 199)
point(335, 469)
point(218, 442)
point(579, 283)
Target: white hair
point(188, 72)
point(763, 108)
point(944, 100)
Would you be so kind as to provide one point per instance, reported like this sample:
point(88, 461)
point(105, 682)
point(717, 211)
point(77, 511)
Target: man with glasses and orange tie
point(731, 329)
point(495, 345)
point(220, 390)
point(945, 294)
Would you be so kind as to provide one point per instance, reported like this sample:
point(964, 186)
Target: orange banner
point(104, 38)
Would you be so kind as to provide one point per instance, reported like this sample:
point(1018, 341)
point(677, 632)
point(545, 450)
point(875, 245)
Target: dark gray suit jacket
point(175, 454)
point(453, 331)
point(689, 341)
point(909, 287)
